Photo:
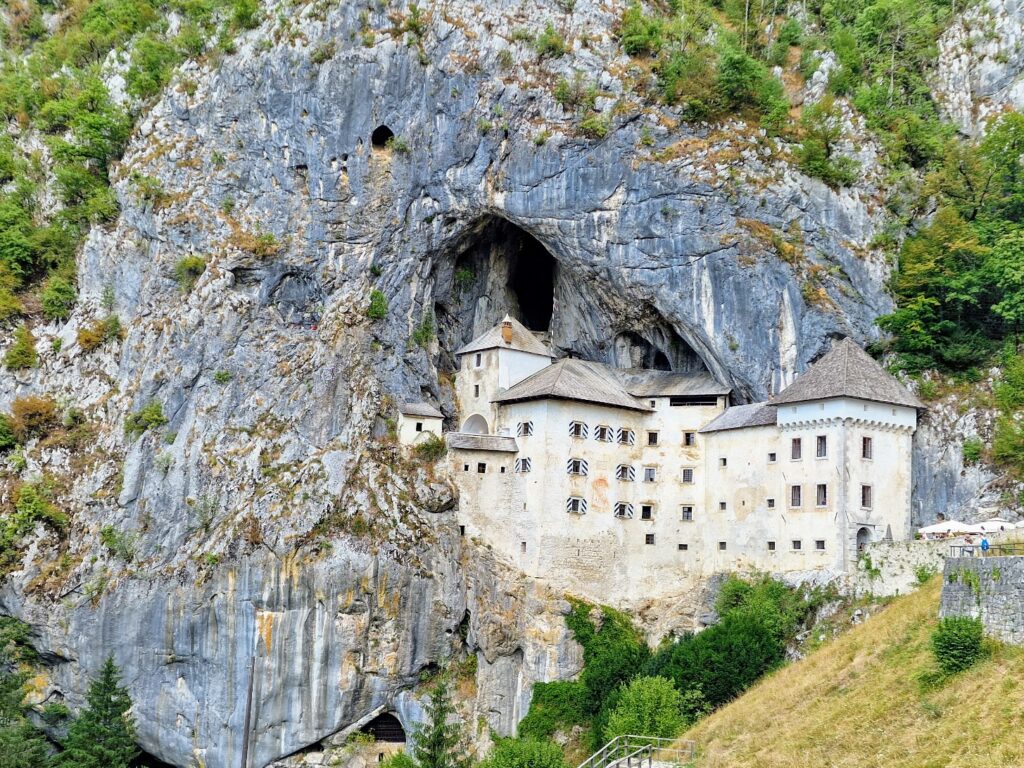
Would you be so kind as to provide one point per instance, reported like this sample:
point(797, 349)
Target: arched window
point(475, 425)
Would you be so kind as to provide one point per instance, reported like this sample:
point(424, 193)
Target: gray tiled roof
point(523, 340)
point(847, 371)
point(740, 416)
point(420, 409)
point(470, 442)
point(644, 383)
point(572, 379)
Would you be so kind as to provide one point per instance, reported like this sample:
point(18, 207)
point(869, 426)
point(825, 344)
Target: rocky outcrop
point(267, 519)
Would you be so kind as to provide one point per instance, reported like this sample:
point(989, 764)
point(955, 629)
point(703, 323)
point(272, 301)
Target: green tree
point(21, 745)
point(524, 753)
point(647, 706)
point(1006, 266)
point(439, 743)
point(103, 734)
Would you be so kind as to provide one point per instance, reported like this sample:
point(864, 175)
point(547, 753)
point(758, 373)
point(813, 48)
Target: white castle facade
point(634, 483)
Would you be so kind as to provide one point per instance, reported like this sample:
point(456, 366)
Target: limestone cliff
point(266, 518)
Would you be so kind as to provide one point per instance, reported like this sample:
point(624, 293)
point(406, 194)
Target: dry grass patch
point(857, 703)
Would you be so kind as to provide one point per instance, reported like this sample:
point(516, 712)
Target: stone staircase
point(642, 752)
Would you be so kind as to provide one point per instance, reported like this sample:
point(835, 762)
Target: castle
point(631, 482)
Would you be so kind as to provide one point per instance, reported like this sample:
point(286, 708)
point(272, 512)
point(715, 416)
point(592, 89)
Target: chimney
point(506, 330)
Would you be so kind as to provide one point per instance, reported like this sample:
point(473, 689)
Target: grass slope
point(857, 702)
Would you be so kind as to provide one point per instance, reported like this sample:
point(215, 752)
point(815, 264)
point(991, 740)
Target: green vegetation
point(378, 305)
point(33, 416)
point(424, 333)
point(222, 377)
point(430, 449)
point(22, 746)
point(550, 43)
point(958, 643)
point(188, 270)
point(972, 449)
point(58, 297)
point(524, 753)
point(866, 682)
point(119, 544)
point(439, 742)
point(149, 416)
point(103, 734)
point(7, 437)
point(99, 332)
point(647, 706)
point(22, 353)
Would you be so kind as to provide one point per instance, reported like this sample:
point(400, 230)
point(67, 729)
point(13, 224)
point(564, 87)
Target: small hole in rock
point(381, 136)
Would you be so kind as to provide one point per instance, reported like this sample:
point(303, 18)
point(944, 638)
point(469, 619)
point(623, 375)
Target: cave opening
point(385, 727)
point(381, 136)
point(532, 280)
point(664, 350)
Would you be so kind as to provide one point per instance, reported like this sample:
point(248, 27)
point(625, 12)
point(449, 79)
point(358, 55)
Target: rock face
point(266, 519)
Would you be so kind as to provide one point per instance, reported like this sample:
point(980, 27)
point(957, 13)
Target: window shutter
point(584, 468)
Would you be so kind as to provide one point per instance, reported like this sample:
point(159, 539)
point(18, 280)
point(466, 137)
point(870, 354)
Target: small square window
point(476, 390)
point(721, 546)
point(522, 547)
point(687, 514)
point(524, 429)
point(771, 546)
point(795, 449)
point(625, 473)
point(688, 476)
point(723, 462)
point(772, 457)
point(603, 433)
point(419, 426)
point(683, 547)
point(652, 438)
point(478, 361)
point(462, 530)
point(721, 505)
point(465, 467)
point(577, 429)
point(653, 403)
point(821, 450)
point(771, 503)
point(481, 468)
point(649, 538)
point(650, 474)
point(819, 544)
point(646, 511)
point(797, 544)
point(689, 438)
point(503, 470)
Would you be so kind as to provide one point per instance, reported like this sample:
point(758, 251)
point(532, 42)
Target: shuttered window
point(577, 467)
point(576, 505)
point(525, 429)
point(625, 472)
point(625, 436)
point(603, 433)
point(624, 510)
point(578, 429)
point(524, 464)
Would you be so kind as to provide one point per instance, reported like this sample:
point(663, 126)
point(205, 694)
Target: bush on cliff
point(958, 643)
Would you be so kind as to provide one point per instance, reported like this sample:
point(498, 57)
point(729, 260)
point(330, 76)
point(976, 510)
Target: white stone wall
point(408, 434)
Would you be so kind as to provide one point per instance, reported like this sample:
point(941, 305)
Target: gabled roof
point(523, 340)
point(426, 410)
point(572, 379)
point(467, 441)
point(642, 382)
point(740, 416)
point(847, 371)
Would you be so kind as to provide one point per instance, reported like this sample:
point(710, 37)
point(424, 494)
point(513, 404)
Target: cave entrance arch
point(381, 136)
point(385, 727)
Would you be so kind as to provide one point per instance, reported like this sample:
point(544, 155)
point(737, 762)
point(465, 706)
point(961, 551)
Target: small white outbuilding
point(416, 421)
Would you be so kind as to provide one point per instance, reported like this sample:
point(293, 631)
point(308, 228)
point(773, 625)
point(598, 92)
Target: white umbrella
point(995, 524)
point(945, 527)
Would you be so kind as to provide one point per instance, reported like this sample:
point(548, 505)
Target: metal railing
point(994, 550)
point(640, 751)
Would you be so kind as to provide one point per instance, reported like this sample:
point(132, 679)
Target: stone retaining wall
point(991, 588)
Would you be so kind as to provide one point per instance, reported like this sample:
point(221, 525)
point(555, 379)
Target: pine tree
point(440, 743)
point(103, 735)
point(21, 745)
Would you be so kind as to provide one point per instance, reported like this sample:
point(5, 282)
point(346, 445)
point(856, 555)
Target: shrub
point(612, 654)
point(524, 753)
point(647, 706)
point(7, 437)
point(58, 297)
point(430, 448)
point(152, 63)
point(245, 13)
point(595, 126)
point(640, 35)
point(99, 332)
point(575, 94)
point(424, 332)
point(378, 305)
point(32, 505)
point(149, 416)
point(923, 574)
point(222, 377)
point(323, 53)
point(188, 270)
point(550, 43)
point(22, 353)
point(958, 643)
point(33, 416)
point(119, 544)
point(972, 449)
point(556, 704)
